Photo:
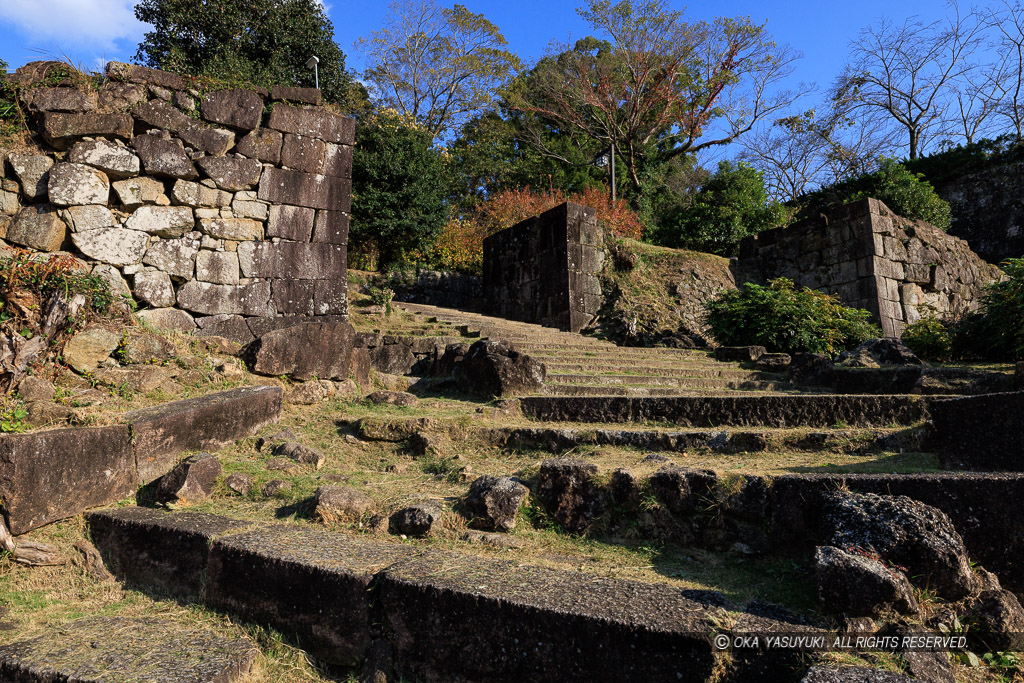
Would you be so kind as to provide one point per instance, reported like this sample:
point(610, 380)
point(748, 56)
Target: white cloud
point(93, 23)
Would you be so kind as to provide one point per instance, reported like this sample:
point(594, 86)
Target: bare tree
point(905, 73)
point(1009, 25)
point(438, 65)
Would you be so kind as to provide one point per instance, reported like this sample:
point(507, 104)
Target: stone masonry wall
point(207, 209)
point(545, 269)
point(871, 258)
point(988, 210)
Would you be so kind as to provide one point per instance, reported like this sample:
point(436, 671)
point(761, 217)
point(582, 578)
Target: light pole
point(311, 64)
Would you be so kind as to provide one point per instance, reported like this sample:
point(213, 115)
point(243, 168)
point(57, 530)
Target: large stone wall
point(988, 210)
point(205, 208)
point(898, 269)
point(545, 269)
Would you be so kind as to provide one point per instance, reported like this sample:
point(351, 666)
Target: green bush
point(929, 338)
point(785, 319)
point(996, 330)
point(731, 205)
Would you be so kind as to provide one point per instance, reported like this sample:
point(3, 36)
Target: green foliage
point(785, 319)
point(964, 159)
point(262, 42)
point(12, 417)
point(996, 330)
point(25, 271)
point(398, 189)
point(929, 338)
point(12, 121)
point(908, 194)
point(731, 205)
point(383, 296)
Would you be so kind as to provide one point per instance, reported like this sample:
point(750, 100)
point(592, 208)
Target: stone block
point(197, 195)
point(290, 222)
point(316, 123)
point(155, 550)
point(153, 287)
point(171, 319)
point(160, 114)
point(115, 97)
point(232, 327)
point(91, 217)
point(53, 475)
point(330, 297)
point(263, 144)
point(215, 141)
point(236, 108)
point(331, 227)
point(231, 173)
point(33, 171)
point(116, 246)
point(979, 432)
point(301, 153)
point(114, 160)
point(211, 299)
point(240, 229)
point(338, 161)
point(281, 186)
point(162, 221)
point(297, 260)
point(38, 227)
point(244, 208)
point(292, 94)
point(62, 130)
point(293, 297)
point(133, 73)
point(164, 158)
point(219, 267)
point(60, 99)
point(137, 191)
point(302, 351)
point(175, 257)
point(206, 423)
point(75, 184)
point(9, 203)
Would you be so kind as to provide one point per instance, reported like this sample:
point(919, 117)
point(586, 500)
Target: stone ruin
point(898, 269)
point(208, 209)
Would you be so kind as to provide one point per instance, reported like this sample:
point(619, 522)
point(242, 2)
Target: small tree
point(906, 193)
point(398, 189)
point(733, 204)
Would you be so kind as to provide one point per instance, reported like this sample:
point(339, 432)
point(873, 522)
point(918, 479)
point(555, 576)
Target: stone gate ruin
point(222, 211)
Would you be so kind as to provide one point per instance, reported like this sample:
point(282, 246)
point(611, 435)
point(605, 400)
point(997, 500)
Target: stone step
point(563, 371)
point(750, 381)
point(695, 386)
point(113, 649)
point(741, 409)
point(502, 620)
point(533, 348)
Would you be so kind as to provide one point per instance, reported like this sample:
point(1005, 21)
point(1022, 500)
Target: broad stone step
point(693, 378)
point(448, 616)
point(764, 410)
point(116, 649)
point(619, 351)
point(640, 391)
point(626, 370)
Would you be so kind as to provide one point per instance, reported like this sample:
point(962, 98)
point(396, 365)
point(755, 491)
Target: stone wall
point(873, 259)
point(206, 208)
point(988, 210)
point(545, 269)
point(439, 288)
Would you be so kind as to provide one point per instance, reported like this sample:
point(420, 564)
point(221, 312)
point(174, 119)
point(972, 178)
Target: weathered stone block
point(241, 229)
point(281, 186)
point(207, 423)
point(56, 474)
point(175, 257)
point(74, 184)
point(211, 299)
point(162, 221)
point(115, 160)
point(219, 267)
point(302, 351)
point(116, 246)
point(301, 153)
point(215, 141)
point(231, 173)
point(293, 297)
point(33, 170)
point(292, 94)
point(153, 287)
point(172, 319)
point(232, 327)
point(63, 130)
point(115, 97)
point(197, 195)
point(164, 158)
point(263, 144)
point(137, 191)
point(237, 108)
point(290, 222)
point(315, 123)
point(91, 217)
point(331, 227)
point(38, 227)
point(133, 73)
point(296, 260)
point(60, 99)
point(330, 297)
point(338, 161)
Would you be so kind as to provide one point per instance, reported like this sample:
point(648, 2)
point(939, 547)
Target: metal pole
point(613, 171)
point(316, 76)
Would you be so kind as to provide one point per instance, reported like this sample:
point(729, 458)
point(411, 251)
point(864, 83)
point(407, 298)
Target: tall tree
point(264, 42)
point(1009, 24)
point(905, 73)
point(659, 85)
point(438, 65)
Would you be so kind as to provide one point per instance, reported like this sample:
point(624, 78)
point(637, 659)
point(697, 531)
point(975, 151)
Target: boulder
point(193, 480)
point(773, 362)
point(497, 369)
point(996, 621)
point(33, 170)
point(239, 482)
point(289, 467)
point(856, 585)
point(137, 378)
point(392, 398)
point(164, 158)
point(135, 192)
point(162, 221)
point(38, 227)
point(684, 491)
point(116, 246)
point(84, 351)
point(117, 161)
point(34, 388)
point(876, 353)
point(293, 94)
point(811, 369)
point(394, 359)
point(170, 319)
point(904, 532)
point(142, 347)
point(566, 488)
point(230, 327)
point(76, 184)
point(303, 351)
point(310, 393)
point(231, 173)
point(495, 501)
point(266, 443)
point(337, 503)
point(276, 487)
point(416, 520)
point(133, 73)
point(236, 108)
point(300, 453)
point(153, 287)
point(739, 354)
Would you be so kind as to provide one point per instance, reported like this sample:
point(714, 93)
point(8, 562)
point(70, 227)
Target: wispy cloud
point(97, 24)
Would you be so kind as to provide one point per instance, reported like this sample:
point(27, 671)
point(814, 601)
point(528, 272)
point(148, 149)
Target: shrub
point(996, 330)
point(786, 319)
point(731, 205)
point(929, 338)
